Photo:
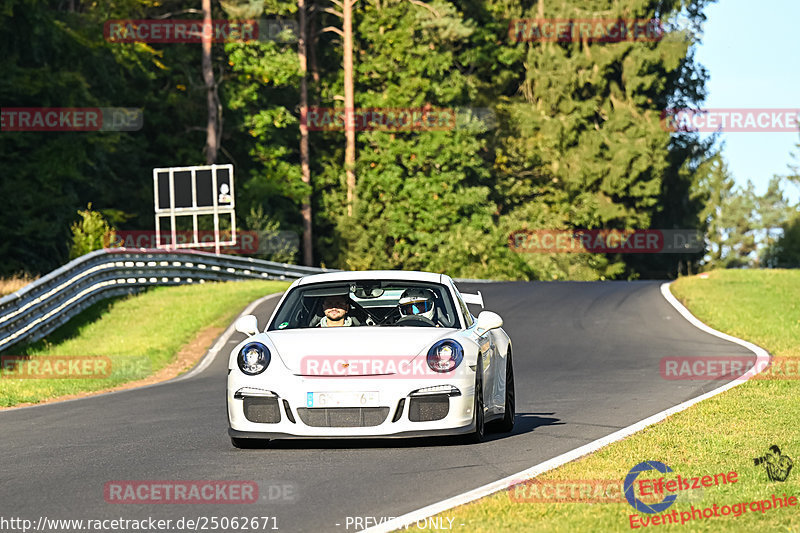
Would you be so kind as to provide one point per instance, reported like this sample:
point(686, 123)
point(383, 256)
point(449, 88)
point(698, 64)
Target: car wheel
point(479, 433)
point(506, 424)
point(248, 444)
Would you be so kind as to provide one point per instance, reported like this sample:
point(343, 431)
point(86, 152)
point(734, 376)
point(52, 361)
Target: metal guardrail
point(42, 306)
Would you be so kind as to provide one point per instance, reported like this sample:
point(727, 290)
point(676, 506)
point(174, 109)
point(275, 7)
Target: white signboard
point(195, 192)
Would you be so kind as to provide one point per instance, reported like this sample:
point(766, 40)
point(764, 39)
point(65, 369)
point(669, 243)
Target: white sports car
point(371, 354)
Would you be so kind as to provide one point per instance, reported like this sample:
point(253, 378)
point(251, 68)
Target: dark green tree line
point(573, 137)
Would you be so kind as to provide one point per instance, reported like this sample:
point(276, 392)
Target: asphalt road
point(586, 359)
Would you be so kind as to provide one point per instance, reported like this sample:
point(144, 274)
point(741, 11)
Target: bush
point(273, 244)
point(91, 233)
point(785, 252)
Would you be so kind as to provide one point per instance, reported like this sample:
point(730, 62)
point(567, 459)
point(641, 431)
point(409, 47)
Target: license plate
point(342, 399)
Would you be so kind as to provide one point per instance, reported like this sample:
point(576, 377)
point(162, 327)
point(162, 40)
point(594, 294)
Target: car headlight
point(445, 355)
point(253, 358)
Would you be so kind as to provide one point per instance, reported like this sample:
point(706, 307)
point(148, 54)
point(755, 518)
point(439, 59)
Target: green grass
point(761, 306)
point(140, 334)
point(720, 434)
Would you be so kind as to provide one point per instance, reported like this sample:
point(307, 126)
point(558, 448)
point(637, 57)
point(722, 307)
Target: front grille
point(262, 410)
point(428, 408)
point(343, 417)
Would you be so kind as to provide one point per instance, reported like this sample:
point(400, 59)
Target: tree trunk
point(212, 139)
point(311, 46)
point(349, 110)
point(305, 210)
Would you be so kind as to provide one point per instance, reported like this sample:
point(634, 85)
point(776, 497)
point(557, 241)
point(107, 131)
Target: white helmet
point(417, 302)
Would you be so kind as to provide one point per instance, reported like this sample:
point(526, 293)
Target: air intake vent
point(262, 410)
point(343, 417)
point(288, 410)
point(428, 408)
point(399, 412)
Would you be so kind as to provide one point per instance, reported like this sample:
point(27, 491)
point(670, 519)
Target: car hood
point(400, 343)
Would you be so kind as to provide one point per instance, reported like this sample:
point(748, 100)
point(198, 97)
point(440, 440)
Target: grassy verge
point(139, 335)
point(719, 435)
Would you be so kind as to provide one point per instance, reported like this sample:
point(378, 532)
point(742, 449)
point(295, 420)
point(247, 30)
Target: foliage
point(91, 233)
point(785, 251)
point(273, 244)
point(64, 61)
point(774, 213)
point(741, 227)
point(729, 216)
point(556, 135)
point(582, 143)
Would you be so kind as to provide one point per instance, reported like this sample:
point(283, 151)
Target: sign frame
point(215, 209)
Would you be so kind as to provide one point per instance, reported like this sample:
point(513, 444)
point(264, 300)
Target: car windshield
point(383, 303)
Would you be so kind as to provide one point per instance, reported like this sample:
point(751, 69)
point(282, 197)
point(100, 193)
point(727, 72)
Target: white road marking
point(421, 514)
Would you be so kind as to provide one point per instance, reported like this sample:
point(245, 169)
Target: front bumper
point(278, 409)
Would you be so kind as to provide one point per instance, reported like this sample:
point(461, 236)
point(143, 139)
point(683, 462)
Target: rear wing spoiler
point(476, 299)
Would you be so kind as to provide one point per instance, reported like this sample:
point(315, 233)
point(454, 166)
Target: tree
point(261, 95)
point(785, 252)
point(729, 218)
point(773, 210)
point(349, 103)
point(346, 33)
point(91, 233)
point(583, 145)
point(794, 177)
point(577, 143)
point(422, 195)
point(212, 101)
point(305, 165)
point(48, 176)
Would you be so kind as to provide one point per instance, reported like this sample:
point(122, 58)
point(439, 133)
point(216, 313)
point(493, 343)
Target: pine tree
point(584, 145)
point(729, 218)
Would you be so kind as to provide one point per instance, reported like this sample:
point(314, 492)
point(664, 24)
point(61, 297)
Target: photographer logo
point(776, 464)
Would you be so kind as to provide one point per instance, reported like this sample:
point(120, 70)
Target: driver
point(417, 302)
point(336, 309)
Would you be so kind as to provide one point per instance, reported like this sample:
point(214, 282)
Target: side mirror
point(488, 320)
point(247, 324)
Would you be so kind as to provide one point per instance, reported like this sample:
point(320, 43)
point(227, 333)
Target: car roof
point(404, 275)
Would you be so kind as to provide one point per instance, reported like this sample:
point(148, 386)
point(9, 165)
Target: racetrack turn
point(586, 359)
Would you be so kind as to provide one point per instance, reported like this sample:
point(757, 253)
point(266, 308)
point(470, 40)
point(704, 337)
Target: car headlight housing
point(253, 358)
point(445, 356)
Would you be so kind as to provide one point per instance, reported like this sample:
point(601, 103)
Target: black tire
point(248, 444)
point(506, 424)
point(479, 434)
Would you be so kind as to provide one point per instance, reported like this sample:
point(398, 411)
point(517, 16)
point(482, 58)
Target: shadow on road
point(523, 423)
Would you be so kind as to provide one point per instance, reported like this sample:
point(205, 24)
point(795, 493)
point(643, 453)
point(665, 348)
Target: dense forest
point(537, 133)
